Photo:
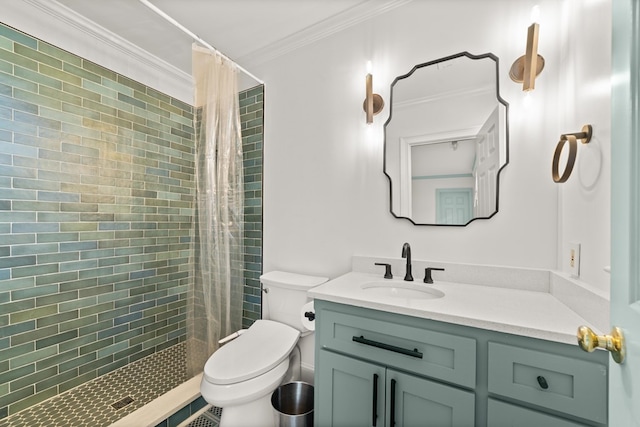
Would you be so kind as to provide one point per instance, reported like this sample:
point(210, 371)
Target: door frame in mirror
point(407, 141)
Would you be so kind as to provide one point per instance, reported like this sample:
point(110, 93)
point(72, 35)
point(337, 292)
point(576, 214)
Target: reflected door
point(487, 166)
point(454, 205)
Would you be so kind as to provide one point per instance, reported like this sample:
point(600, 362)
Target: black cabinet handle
point(542, 382)
point(392, 415)
point(413, 353)
point(375, 400)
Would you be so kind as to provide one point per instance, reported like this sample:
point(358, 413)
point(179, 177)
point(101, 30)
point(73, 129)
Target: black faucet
point(406, 253)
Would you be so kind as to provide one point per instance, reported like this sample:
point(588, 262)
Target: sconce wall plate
point(572, 138)
point(373, 103)
point(516, 72)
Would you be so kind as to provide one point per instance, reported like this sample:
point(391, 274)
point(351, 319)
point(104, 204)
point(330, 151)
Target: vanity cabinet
point(376, 368)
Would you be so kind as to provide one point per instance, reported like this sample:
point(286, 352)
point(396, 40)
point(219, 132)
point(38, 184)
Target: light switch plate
point(573, 254)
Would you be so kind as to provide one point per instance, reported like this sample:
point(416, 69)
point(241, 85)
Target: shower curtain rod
point(196, 37)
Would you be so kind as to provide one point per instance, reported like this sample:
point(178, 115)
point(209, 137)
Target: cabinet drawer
point(552, 381)
point(434, 354)
point(502, 414)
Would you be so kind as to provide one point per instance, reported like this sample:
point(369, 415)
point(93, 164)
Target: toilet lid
point(263, 346)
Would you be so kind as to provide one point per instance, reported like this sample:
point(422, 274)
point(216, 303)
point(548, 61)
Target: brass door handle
point(589, 341)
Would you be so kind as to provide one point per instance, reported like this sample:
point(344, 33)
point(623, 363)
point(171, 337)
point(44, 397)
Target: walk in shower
point(96, 225)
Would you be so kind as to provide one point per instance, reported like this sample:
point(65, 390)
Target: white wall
point(584, 200)
point(325, 196)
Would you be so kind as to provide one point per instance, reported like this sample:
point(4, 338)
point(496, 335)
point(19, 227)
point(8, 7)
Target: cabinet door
point(350, 392)
point(414, 402)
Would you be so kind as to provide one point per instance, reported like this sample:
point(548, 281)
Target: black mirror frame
point(499, 99)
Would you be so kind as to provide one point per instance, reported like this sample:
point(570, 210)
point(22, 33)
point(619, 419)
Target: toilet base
point(258, 413)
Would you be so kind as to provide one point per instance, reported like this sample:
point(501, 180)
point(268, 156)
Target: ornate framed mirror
point(446, 141)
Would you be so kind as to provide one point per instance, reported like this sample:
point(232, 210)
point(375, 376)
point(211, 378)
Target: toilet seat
point(262, 347)
point(231, 395)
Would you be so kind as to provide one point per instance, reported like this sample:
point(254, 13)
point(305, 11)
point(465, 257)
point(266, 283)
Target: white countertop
point(521, 312)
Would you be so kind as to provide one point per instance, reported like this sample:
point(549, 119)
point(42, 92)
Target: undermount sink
point(399, 289)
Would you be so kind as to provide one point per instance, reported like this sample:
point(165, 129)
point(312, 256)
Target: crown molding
point(97, 44)
point(359, 13)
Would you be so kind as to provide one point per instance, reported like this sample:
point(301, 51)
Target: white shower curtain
point(215, 306)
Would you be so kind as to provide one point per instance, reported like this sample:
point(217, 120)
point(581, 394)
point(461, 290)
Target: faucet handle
point(427, 274)
point(387, 270)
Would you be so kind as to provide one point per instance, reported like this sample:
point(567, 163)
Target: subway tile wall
point(96, 189)
point(251, 117)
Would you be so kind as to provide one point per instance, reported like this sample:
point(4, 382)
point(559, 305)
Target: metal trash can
point(293, 403)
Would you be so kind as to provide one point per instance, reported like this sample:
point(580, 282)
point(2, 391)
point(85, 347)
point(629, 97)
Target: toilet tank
point(284, 295)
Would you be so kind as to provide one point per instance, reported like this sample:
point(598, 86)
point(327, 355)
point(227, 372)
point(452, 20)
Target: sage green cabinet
point(367, 394)
point(374, 366)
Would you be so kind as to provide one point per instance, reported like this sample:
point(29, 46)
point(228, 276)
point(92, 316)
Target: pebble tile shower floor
point(210, 418)
point(90, 404)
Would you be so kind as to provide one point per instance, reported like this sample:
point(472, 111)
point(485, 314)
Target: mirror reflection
point(446, 141)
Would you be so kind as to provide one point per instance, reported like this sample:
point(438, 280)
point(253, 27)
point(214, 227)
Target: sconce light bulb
point(369, 67)
point(535, 13)
point(527, 99)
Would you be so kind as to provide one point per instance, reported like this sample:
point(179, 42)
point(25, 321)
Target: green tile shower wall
point(251, 117)
point(96, 189)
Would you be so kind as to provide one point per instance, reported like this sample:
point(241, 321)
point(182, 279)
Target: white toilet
point(242, 374)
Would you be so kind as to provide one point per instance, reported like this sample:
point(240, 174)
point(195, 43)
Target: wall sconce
point(526, 68)
point(373, 103)
point(572, 138)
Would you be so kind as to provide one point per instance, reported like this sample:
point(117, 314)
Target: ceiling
point(247, 31)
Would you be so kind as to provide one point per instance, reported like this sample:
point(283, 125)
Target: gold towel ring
point(572, 138)
point(573, 151)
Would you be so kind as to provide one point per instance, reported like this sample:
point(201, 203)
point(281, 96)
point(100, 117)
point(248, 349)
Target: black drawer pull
point(542, 382)
point(413, 353)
